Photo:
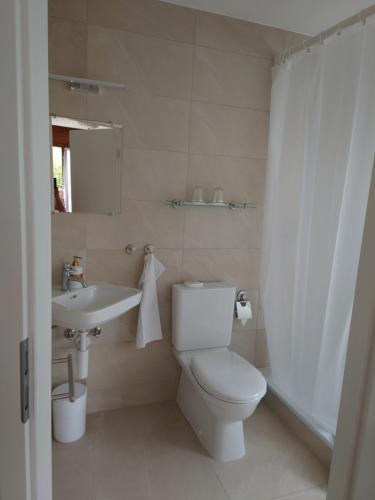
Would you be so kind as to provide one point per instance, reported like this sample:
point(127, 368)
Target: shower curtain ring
point(321, 37)
point(362, 18)
point(339, 30)
point(306, 47)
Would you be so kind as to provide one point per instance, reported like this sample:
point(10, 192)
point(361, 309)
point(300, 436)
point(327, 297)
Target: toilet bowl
point(219, 389)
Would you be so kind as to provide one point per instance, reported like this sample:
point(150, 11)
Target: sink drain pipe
point(82, 344)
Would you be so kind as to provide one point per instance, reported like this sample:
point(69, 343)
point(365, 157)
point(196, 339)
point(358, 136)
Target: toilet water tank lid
point(227, 376)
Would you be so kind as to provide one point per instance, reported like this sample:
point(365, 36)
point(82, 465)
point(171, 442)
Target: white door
point(25, 447)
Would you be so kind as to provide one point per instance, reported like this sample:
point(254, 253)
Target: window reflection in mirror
point(86, 166)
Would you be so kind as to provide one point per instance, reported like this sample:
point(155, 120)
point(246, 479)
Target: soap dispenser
point(76, 273)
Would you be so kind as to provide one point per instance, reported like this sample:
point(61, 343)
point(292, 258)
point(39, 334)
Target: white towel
point(149, 327)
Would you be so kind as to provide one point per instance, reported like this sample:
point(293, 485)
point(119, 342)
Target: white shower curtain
point(321, 152)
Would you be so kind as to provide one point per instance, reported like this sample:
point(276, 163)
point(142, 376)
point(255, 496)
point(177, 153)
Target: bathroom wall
point(195, 113)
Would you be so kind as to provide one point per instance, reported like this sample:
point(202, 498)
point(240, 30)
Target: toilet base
point(224, 440)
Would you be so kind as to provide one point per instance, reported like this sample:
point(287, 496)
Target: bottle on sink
point(76, 273)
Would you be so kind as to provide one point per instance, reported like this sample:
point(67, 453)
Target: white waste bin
point(69, 418)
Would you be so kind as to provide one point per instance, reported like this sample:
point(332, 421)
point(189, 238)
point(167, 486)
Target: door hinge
point(24, 380)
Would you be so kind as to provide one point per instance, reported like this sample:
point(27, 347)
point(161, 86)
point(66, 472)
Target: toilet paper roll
point(243, 311)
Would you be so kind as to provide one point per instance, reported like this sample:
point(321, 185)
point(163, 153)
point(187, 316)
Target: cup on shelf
point(218, 196)
point(198, 194)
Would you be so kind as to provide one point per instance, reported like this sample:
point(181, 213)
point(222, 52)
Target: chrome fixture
point(85, 85)
point(69, 333)
point(71, 393)
point(96, 332)
point(191, 204)
point(148, 249)
point(67, 277)
point(132, 248)
point(241, 296)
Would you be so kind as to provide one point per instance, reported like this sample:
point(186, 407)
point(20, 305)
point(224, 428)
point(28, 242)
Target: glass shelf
point(191, 204)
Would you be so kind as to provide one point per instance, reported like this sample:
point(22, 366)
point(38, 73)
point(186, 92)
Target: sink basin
point(87, 308)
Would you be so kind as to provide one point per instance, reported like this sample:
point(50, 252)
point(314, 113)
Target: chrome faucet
point(67, 277)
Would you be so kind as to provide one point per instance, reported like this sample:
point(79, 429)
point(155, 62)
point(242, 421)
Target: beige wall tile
point(114, 266)
point(233, 79)
point(169, 21)
point(142, 222)
point(208, 228)
point(154, 175)
point(149, 122)
point(261, 356)
point(172, 260)
point(145, 64)
point(117, 267)
point(148, 17)
point(106, 232)
point(121, 14)
point(224, 130)
point(237, 267)
point(67, 103)
point(260, 319)
point(138, 393)
point(120, 373)
point(75, 10)
point(243, 344)
point(243, 179)
point(239, 36)
point(69, 231)
point(153, 222)
point(122, 329)
point(67, 47)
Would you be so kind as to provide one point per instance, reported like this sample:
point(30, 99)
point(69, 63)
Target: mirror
point(86, 166)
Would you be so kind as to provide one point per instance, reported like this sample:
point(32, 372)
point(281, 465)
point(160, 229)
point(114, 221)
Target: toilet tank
point(202, 317)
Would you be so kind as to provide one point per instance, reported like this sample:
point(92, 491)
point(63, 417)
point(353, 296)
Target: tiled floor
point(150, 452)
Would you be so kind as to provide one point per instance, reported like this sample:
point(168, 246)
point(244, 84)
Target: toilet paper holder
point(241, 296)
point(242, 307)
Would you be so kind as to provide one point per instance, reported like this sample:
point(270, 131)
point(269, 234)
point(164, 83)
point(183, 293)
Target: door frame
point(25, 250)
point(26, 277)
point(352, 476)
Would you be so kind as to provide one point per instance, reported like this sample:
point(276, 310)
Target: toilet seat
point(227, 376)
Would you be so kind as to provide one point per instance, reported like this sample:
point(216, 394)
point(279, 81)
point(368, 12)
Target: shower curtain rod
point(319, 39)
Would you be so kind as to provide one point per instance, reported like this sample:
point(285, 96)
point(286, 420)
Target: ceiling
point(303, 16)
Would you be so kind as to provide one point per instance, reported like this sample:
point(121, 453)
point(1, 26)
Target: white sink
point(93, 306)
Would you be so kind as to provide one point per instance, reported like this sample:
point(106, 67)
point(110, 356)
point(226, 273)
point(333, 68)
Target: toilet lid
point(227, 376)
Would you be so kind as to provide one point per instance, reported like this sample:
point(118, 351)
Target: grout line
point(220, 155)
point(289, 496)
point(219, 479)
point(173, 40)
point(192, 99)
point(188, 147)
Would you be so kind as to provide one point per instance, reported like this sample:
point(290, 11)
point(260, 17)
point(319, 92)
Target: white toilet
point(218, 389)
